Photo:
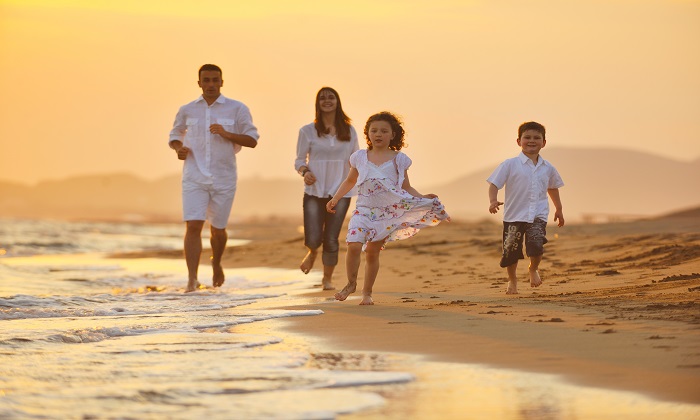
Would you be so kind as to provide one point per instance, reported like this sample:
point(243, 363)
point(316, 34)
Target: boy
point(528, 179)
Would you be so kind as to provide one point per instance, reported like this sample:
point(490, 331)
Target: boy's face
point(531, 141)
point(210, 82)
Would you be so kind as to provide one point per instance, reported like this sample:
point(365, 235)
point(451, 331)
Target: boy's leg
point(352, 266)
point(512, 288)
point(193, 251)
point(534, 240)
point(218, 240)
point(371, 270)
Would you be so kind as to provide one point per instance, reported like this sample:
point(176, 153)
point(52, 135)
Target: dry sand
point(619, 307)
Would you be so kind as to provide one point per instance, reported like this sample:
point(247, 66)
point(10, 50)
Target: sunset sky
point(92, 86)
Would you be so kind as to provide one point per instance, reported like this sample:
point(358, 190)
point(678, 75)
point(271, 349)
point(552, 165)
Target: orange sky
point(93, 86)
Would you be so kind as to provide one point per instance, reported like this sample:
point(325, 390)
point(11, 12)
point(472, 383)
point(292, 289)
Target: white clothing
point(205, 202)
point(212, 159)
point(327, 158)
point(385, 211)
point(526, 187)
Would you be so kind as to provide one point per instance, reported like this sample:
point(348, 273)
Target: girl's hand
point(330, 205)
point(430, 196)
point(494, 207)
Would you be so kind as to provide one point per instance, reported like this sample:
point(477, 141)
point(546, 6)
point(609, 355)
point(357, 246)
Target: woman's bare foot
point(535, 279)
point(512, 288)
point(308, 262)
point(347, 291)
point(327, 285)
point(192, 285)
point(367, 300)
point(218, 279)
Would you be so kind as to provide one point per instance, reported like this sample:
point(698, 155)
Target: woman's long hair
point(342, 121)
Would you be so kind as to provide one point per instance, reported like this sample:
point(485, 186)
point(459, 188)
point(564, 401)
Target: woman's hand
point(309, 178)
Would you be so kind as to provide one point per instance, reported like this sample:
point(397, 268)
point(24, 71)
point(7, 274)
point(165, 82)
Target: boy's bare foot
point(367, 300)
point(218, 278)
point(192, 285)
point(535, 279)
point(308, 262)
point(347, 291)
point(327, 285)
point(512, 288)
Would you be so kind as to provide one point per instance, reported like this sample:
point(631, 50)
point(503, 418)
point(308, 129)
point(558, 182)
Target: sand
point(619, 307)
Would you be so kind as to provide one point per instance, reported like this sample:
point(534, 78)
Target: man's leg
point(193, 251)
point(218, 245)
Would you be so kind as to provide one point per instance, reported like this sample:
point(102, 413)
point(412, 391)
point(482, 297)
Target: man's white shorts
point(206, 202)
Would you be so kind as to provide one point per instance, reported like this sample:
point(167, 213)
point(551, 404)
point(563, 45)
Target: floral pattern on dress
point(387, 213)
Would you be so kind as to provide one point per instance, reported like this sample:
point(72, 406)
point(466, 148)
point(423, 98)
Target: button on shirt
point(327, 158)
point(526, 187)
point(212, 159)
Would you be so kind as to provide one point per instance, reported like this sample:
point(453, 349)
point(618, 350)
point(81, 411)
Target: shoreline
point(615, 310)
point(619, 308)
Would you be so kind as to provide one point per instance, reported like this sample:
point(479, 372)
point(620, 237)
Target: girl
point(323, 150)
point(388, 207)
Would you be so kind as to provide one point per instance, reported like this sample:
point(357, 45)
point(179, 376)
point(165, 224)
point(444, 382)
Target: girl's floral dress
point(386, 212)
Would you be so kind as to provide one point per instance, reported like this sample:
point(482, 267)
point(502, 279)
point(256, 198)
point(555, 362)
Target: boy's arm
point(494, 204)
point(558, 212)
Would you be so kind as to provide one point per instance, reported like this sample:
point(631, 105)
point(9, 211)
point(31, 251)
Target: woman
point(323, 152)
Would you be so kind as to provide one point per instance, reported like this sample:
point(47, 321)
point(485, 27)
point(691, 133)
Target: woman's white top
point(327, 158)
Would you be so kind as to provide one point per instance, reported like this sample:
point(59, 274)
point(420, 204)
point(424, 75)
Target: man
point(207, 134)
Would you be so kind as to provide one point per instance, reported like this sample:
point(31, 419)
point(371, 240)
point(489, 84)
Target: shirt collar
point(221, 99)
point(524, 159)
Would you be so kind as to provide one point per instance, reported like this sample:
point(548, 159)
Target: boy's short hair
point(531, 125)
point(210, 67)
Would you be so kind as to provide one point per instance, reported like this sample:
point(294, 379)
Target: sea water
point(87, 336)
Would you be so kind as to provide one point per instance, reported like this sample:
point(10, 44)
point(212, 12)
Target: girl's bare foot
point(218, 279)
point(535, 279)
point(347, 291)
point(327, 285)
point(367, 300)
point(512, 288)
point(308, 262)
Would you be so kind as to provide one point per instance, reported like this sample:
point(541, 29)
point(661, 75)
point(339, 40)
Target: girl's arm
point(343, 189)
point(558, 212)
point(409, 189)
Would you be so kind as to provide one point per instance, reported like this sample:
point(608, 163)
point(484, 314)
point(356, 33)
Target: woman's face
point(327, 101)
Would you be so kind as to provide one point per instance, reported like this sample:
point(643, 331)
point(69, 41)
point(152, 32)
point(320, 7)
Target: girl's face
point(380, 134)
point(327, 101)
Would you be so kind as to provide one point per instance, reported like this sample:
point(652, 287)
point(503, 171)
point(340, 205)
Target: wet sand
point(619, 307)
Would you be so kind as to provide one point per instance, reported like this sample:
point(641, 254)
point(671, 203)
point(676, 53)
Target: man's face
point(210, 81)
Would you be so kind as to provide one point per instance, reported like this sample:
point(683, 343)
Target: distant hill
point(601, 185)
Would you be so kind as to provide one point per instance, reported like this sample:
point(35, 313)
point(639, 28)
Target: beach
point(619, 307)
point(97, 324)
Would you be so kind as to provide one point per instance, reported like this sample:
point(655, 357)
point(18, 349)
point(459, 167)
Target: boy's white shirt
point(526, 186)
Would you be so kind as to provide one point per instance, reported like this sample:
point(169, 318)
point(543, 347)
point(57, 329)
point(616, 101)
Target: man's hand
point(495, 206)
point(218, 129)
point(182, 152)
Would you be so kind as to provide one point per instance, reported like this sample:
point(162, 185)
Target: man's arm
point(241, 139)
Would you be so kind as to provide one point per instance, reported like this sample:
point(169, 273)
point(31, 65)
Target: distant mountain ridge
point(600, 184)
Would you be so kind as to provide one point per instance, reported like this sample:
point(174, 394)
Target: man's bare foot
point(192, 285)
point(535, 279)
point(347, 291)
point(512, 288)
point(218, 278)
point(327, 285)
point(308, 262)
point(367, 300)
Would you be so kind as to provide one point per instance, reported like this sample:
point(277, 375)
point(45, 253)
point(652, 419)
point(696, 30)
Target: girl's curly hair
point(397, 142)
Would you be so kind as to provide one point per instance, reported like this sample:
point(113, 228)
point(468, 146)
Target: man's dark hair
point(210, 67)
